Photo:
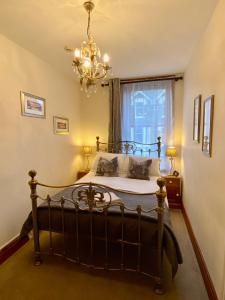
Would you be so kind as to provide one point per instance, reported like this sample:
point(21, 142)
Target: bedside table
point(174, 191)
point(82, 173)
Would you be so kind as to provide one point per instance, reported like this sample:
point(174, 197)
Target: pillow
point(107, 167)
point(122, 171)
point(139, 169)
point(154, 168)
point(123, 163)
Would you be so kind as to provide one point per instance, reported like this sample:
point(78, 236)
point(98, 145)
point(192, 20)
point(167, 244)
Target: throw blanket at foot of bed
point(129, 234)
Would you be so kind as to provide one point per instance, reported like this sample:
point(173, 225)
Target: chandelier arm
point(93, 76)
point(80, 70)
point(97, 77)
point(100, 77)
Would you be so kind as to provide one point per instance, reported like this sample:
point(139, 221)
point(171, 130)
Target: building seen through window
point(147, 113)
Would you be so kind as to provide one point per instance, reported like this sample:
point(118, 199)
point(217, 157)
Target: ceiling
point(143, 37)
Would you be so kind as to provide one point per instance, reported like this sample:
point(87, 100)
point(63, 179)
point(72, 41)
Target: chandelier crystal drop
point(88, 63)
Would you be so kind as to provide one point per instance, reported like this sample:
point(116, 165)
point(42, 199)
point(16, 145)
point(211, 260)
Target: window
point(147, 112)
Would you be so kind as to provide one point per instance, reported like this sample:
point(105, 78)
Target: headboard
point(129, 147)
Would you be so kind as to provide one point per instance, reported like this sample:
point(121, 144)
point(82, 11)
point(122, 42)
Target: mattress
point(125, 184)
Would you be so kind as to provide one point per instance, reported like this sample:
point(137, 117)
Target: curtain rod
point(148, 79)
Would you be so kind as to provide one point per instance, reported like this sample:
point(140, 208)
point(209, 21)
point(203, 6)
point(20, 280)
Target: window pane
point(147, 112)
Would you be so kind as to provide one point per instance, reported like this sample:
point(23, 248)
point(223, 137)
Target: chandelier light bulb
point(106, 58)
point(87, 63)
point(77, 53)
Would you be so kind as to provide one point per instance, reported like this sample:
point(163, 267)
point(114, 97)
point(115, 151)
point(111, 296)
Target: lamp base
point(171, 166)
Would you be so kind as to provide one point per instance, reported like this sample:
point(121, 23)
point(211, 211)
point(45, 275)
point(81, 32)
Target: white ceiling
point(143, 37)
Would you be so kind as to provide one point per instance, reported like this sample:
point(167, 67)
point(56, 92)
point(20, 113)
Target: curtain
point(114, 112)
point(147, 112)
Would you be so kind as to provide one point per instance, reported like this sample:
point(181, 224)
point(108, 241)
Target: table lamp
point(87, 151)
point(171, 152)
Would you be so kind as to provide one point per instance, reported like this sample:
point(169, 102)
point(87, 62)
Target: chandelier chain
point(89, 25)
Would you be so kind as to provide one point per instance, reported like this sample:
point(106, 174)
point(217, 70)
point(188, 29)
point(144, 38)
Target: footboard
point(87, 203)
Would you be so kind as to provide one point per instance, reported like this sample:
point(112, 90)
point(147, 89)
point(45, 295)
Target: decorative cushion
point(122, 172)
point(154, 168)
point(139, 169)
point(123, 163)
point(107, 167)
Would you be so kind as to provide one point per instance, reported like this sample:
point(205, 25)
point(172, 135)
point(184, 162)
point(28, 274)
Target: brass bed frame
point(129, 147)
point(89, 197)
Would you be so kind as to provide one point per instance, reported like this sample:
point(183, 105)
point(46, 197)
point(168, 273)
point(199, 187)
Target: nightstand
point(82, 173)
point(174, 191)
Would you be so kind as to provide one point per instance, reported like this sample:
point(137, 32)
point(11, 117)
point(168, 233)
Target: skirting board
point(201, 262)
point(11, 248)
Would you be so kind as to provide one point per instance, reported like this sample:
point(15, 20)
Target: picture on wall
point(208, 125)
point(61, 125)
point(32, 106)
point(197, 119)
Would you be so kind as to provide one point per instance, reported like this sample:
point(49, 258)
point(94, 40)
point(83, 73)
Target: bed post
point(161, 194)
point(159, 146)
point(33, 195)
point(97, 143)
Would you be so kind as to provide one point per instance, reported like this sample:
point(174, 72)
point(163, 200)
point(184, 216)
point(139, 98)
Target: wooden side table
point(174, 191)
point(81, 173)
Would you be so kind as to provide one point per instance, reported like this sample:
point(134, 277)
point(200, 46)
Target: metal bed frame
point(129, 147)
point(89, 197)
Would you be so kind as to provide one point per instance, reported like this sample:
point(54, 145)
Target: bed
point(109, 222)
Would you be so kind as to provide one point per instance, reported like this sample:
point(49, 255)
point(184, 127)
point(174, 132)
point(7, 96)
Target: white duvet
point(126, 184)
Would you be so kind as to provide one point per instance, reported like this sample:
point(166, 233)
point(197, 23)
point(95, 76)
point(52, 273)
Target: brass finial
point(161, 182)
point(89, 6)
point(32, 173)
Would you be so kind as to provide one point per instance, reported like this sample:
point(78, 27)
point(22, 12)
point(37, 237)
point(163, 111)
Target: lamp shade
point(87, 150)
point(171, 151)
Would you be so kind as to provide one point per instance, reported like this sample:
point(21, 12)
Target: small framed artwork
point(32, 106)
point(61, 125)
point(197, 119)
point(208, 126)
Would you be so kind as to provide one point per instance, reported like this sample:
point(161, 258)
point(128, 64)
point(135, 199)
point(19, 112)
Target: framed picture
point(208, 126)
point(197, 119)
point(32, 106)
point(61, 125)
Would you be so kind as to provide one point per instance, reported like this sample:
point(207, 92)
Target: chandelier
point(88, 63)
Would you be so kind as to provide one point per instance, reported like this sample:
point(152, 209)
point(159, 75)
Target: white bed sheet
point(126, 184)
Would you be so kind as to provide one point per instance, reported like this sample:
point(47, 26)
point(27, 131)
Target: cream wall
point(178, 121)
point(29, 143)
point(204, 178)
point(95, 117)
